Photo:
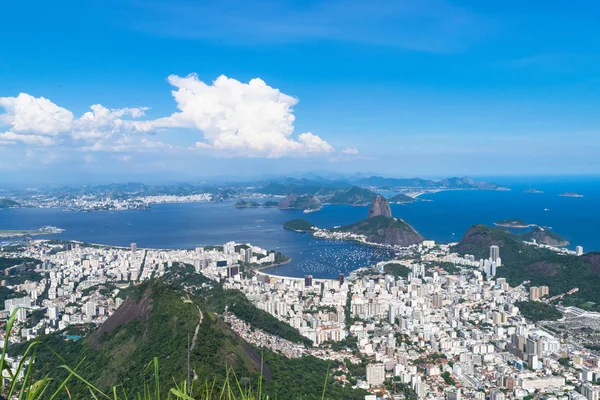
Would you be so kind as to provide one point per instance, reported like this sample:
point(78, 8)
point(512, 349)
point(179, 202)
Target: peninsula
point(379, 228)
point(401, 198)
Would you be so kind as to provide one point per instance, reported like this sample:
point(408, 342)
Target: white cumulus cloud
point(229, 118)
point(251, 119)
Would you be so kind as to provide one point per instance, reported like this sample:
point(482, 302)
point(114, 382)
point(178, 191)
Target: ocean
point(442, 216)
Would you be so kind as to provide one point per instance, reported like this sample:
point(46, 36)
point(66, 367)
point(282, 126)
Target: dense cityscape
point(439, 324)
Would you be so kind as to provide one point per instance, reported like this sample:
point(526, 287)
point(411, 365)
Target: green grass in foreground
point(21, 384)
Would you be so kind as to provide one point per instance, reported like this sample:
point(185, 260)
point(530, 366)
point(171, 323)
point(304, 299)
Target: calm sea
point(444, 218)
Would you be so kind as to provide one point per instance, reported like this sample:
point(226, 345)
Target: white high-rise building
point(494, 253)
point(579, 250)
point(375, 374)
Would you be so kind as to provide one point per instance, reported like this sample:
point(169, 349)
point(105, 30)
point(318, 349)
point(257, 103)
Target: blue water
point(444, 219)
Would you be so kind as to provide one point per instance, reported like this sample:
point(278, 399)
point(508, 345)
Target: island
point(246, 204)
point(532, 191)
point(401, 198)
point(305, 202)
point(299, 225)
point(570, 194)
point(513, 223)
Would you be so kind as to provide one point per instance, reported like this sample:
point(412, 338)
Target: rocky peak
point(380, 206)
point(288, 200)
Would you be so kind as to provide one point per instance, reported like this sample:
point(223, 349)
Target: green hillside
point(246, 204)
point(156, 319)
point(354, 195)
point(7, 203)
point(544, 236)
point(384, 230)
point(299, 225)
point(521, 262)
point(401, 199)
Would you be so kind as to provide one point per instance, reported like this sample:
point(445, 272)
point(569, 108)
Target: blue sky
point(403, 88)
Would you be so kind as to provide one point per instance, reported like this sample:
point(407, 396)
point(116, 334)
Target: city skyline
point(117, 91)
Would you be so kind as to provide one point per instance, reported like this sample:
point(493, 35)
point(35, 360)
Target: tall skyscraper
point(341, 279)
point(133, 247)
point(233, 270)
point(579, 250)
point(494, 252)
point(308, 280)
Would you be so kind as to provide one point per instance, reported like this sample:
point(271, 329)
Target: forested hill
point(157, 319)
point(521, 262)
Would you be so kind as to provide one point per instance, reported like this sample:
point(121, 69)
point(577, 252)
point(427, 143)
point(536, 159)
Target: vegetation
point(299, 225)
point(396, 270)
point(6, 293)
point(295, 202)
point(449, 267)
point(537, 311)
point(544, 236)
point(521, 262)
point(384, 230)
point(155, 323)
point(448, 379)
point(354, 195)
point(7, 262)
point(401, 199)
point(7, 203)
point(246, 204)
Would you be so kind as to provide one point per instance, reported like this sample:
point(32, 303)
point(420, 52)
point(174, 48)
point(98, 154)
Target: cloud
point(30, 140)
point(35, 115)
point(350, 150)
point(227, 117)
point(248, 119)
point(37, 121)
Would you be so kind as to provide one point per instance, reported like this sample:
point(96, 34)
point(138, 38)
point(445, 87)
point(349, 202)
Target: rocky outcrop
point(288, 201)
point(295, 202)
point(545, 236)
point(380, 207)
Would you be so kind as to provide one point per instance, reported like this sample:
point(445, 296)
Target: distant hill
point(296, 202)
point(301, 186)
point(354, 195)
point(544, 236)
point(246, 204)
point(8, 203)
point(418, 183)
point(401, 199)
point(521, 262)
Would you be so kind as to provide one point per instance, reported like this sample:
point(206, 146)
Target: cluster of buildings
point(441, 335)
